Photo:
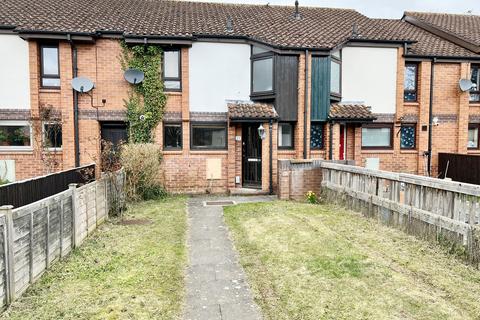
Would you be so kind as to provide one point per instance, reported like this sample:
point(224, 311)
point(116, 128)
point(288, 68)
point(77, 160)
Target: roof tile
point(351, 112)
point(251, 111)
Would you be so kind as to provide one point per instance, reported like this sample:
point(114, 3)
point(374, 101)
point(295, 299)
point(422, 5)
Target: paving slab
point(217, 287)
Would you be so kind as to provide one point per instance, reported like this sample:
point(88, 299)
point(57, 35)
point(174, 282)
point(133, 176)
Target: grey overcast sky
point(379, 8)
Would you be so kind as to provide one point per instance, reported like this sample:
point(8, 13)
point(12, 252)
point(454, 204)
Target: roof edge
point(449, 36)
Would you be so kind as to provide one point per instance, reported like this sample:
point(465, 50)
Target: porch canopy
point(354, 113)
point(251, 112)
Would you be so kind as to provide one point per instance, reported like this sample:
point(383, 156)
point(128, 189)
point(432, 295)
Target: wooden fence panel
point(426, 207)
point(34, 236)
point(24, 192)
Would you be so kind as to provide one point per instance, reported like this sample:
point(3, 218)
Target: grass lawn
point(122, 271)
point(322, 262)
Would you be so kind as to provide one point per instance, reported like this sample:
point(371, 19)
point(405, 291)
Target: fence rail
point(34, 236)
point(24, 192)
point(426, 207)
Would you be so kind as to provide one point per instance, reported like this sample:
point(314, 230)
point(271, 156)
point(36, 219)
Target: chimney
point(297, 13)
point(229, 25)
point(355, 33)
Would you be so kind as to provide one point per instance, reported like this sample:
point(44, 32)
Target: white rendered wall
point(370, 75)
point(14, 73)
point(218, 72)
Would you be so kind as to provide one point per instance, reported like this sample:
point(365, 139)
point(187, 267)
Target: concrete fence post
point(73, 189)
point(9, 256)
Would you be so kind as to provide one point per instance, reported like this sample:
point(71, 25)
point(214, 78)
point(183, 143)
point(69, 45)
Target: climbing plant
point(146, 102)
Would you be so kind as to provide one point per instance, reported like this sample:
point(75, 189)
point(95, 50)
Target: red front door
point(342, 143)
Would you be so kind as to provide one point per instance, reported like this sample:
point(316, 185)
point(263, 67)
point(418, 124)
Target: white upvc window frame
point(14, 123)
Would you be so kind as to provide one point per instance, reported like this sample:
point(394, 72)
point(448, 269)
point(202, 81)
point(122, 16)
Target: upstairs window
point(49, 66)
point(377, 136)
point(335, 73)
point(475, 92)
point(285, 135)
point(171, 70)
point(410, 82)
point(473, 133)
point(262, 71)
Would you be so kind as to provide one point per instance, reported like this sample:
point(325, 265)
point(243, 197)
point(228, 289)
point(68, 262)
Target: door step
point(247, 192)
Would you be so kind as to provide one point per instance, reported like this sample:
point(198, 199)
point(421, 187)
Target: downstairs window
point(378, 136)
point(209, 136)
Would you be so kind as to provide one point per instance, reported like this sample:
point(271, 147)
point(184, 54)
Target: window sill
point(475, 104)
point(411, 104)
point(49, 90)
point(15, 151)
point(209, 151)
point(373, 151)
point(407, 151)
point(286, 151)
point(172, 152)
point(173, 93)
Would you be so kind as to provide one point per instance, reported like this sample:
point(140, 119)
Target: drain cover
point(220, 203)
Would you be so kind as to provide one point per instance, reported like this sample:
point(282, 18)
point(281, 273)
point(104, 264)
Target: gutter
point(75, 102)
point(305, 108)
point(436, 57)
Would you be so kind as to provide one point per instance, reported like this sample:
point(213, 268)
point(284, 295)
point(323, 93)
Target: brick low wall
point(297, 177)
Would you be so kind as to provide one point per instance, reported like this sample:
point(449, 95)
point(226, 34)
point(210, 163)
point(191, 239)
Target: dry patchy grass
point(322, 262)
point(122, 271)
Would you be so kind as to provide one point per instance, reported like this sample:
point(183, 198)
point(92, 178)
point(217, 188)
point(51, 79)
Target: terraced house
point(247, 85)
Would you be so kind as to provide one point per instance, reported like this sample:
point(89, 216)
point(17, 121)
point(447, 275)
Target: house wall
point(370, 75)
point(14, 77)
point(218, 72)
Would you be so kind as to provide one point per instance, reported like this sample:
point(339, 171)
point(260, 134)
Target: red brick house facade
point(309, 130)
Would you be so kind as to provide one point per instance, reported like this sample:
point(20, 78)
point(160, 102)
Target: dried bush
point(142, 163)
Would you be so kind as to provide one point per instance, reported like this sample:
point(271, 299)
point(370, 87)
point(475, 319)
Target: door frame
point(259, 160)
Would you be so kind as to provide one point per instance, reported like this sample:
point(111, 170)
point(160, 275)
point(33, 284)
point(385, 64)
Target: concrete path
point(216, 283)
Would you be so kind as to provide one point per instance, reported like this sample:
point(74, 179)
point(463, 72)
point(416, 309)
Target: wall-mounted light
point(261, 132)
point(435, 121)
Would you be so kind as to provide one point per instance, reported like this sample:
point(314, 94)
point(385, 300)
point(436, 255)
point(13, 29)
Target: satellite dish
point(82, 84)
point(466, 84)
point(134, 76)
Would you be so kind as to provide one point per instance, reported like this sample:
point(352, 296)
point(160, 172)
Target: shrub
point(142, 167)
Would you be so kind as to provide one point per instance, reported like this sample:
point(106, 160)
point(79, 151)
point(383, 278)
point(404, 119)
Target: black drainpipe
point(270, 178)
point(305, 108)
point(330, 142)
point(75, 103)
point(430, 118)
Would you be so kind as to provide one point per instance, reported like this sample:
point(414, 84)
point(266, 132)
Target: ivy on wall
point(146, 102)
